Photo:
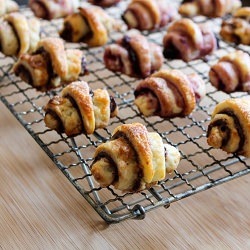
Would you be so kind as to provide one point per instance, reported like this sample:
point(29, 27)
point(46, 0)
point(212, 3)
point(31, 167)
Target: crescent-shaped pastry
point(7, 6)
point(134, 159)
point(104, 3)
point(188, 41)
point(237, 29)
point(18, 35)
point(79, 110)
point(50, 65)
point(148, 14)
point(210, 8)
point(133, 55)
point(232, 72)
point(229, 128)
point(169, 93)
point(90, 25)
point(52, 9)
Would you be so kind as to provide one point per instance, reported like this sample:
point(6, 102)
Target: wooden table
point(40, 209)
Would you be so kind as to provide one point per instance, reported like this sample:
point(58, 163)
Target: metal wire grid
point(201, 166)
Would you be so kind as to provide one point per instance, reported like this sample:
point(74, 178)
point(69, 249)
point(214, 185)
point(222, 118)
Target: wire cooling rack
point(201, 166)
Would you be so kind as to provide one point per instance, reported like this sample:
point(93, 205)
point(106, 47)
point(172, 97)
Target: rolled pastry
point(90, 25)
point(18, 35)
point(169, 93)
point(229, 128)
point(148, 14)
point(134, 159)
point(210, 8)
point(232, 72)
point(52, 9)
point(188, 41)
point(133, 55)
point(7, 6)
point(104, 3)
point(50, 65)
point(79, 110)
point(237, 29)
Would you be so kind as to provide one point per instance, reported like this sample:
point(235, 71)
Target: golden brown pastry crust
point(210, 8)
point(90, 25)
point(133, 159)
point(232, 72)
point(50, 65)
point(133, 55)
point(229, 128)
point(189, 41)
point(148, 14)
point(79, 110)
point(237, 29)
point(18, 35)
point(7, 6)
point(52, 9)
point(171, 92)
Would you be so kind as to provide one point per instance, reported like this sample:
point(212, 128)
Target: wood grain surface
point(40, 209)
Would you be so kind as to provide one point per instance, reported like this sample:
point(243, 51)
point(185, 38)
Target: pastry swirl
point(237, 29)
point(188, 41)
point(90, 25)
point(134, 159)
point(8, 6)
point(79, 110)
point(50, 65)
point(134, 56)
point(18, 35)
point(210, 8)
point(232, 72)
point(229, 128)
point(52, 9)
point(169, 93)
point(104, 3)
point(148, 14)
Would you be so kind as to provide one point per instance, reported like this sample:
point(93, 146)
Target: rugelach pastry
point(50, 65)
point(169, 93)
point(237, 28)
point(52, 9)
point(79, 110)
point(7, 6)
point(188, 41)
point(232, 72)
point(133, 55)
point(210, 8)
point(104, 3)
point(18, 35)
point(229, 128)
point(148, 14)
point(134, 159)
point(90, 25)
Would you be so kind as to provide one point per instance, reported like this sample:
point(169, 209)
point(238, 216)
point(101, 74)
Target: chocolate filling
point(67, 32)
point(132, 55)
point(112, 163)
point(44, 12)
point(171, 52)
point(221, 85)
point(74, 104)
point(113, 105)
point(60, 128)
point(187, 1)
point(222, 124)
point(145, 91)
point(237, 126)
point(24, 74)
point(48, 61)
